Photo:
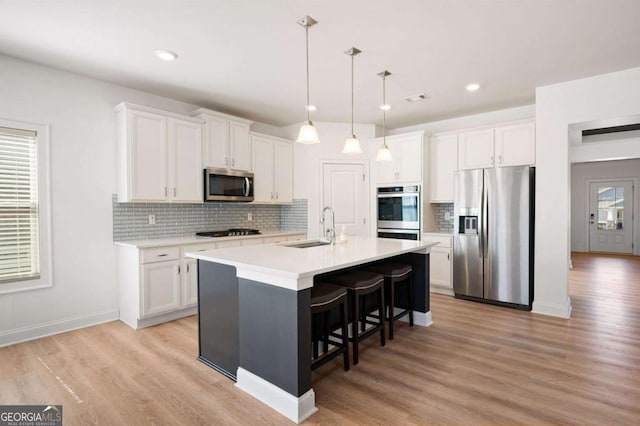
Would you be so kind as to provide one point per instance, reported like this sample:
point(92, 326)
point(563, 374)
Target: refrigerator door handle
point(485, 222)
point(480, 226)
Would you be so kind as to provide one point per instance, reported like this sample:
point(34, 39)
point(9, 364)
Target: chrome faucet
point(328, 233)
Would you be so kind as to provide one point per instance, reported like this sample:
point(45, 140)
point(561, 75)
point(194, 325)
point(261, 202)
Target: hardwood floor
point(478, 364)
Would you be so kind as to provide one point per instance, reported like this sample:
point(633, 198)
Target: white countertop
point(181, 241)
point(294, 268)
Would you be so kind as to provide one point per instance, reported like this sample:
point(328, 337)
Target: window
point(24, 222)
point(610, 207)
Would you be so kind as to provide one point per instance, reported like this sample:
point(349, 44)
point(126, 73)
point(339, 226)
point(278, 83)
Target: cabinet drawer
point(159, 254)
point(198, 247)
point(444, 240)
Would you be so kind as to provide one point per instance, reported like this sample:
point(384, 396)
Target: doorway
point(610, 216)
point(345, 189)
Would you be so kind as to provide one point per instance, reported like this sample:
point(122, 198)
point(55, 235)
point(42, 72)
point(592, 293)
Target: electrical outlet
point(250, 217)
point(447, 216)
point(152, 219)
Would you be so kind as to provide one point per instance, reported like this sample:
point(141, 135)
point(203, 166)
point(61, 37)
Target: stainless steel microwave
point(222, 185)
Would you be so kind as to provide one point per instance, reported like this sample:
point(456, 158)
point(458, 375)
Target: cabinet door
point(408, 159)
point(440, 267)
point(263, 173)
point(148, 156)
point(190, 283)
point(283, 172)
point(475, 149)
point(516, 145)
point(240, 146)
point(216, 151)
point(160, 287)
point(185, 161)
point(443, 163)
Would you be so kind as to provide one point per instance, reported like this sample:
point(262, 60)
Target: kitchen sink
point(307, 244)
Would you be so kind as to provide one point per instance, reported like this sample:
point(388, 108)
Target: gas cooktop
point(228, 233)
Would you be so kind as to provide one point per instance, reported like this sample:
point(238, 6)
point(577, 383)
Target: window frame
point(44, 210)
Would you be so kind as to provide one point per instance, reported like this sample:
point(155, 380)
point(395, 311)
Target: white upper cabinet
point(185, 165)
point(406, 165)
point(443, 165)
point(272, 166)
point(159, 156)
point(502, 146)
point(475, 149)
point(227, 144)
point(516, 145)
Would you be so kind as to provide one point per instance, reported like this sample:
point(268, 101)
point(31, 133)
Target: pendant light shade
point(384, 153)
point(308, 134)
point(352, 144)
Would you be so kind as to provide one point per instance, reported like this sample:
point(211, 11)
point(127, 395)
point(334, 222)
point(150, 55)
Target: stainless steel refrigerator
point(494, 235)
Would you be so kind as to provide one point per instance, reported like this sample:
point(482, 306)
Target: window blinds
point(19, 236)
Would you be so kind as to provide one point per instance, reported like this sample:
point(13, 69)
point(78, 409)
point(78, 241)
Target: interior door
point(610, 213)
point(344, 189)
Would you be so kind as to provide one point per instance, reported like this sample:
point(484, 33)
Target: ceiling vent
point(416, 98)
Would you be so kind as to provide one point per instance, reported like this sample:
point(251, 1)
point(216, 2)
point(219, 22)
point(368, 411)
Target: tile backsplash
point(439, 211)
point(131, 220)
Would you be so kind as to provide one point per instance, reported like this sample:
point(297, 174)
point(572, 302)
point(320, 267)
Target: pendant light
point(308, 133)
point(384, 153)
point(352, 144)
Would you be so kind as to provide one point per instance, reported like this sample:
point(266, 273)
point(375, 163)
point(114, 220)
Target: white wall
point(307, 173)
point(557, 106)
point(83, 177)
point(581, 174)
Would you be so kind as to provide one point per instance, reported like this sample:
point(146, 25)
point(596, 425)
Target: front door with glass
point(610, 213)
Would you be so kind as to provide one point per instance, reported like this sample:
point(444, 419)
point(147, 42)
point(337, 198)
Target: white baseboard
point(422, 319)
point(562, 311)
point(159, 319)
point(296, 409)
point(11, 337)
point(441, 290)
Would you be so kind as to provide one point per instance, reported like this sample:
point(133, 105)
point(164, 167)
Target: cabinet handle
point(174, 191)
point(448, 256)
point(272, 195)
point(178, 269)
point(187, 268)
point(276, 195)
point(500, 159)
point(492, 160)
point(163, 255)
point(233, 161)
point(226, 161)
point(165, 191)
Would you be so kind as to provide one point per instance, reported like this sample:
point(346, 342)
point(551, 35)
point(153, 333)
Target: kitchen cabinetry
point(501, 146)
point(443, 160)
point(159, 284)
point(227, 142)
point(272, 163)
point(159, 156)
point(406, 166)
point(440, 263)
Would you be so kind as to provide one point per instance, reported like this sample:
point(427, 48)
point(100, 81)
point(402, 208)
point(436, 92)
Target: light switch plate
point(152, 219)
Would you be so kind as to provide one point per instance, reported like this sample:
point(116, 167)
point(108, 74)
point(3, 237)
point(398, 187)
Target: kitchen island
point(254, 310)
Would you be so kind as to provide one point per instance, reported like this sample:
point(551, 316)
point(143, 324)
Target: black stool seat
point(360, 284)
point(358, 280)
point(395, 273)
point(391, 269)
point(325, 293)
point(325, 297)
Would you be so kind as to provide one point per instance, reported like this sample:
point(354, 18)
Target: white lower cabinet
point(160, 284)
point(440, 263)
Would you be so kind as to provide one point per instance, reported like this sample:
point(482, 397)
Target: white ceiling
point(246, 57)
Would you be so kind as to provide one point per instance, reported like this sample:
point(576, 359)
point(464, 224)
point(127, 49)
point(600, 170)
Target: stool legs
point(355, 315)
point(411, 300)
point(344, 315)
point(381, 313)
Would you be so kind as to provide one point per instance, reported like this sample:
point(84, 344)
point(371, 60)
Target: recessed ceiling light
point(416, 98)
point(385, 107)
point(472, 87)
point(166, 55)
point(311, 107)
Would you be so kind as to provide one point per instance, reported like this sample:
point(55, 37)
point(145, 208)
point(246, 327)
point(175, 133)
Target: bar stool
point(324, 298)
point(395, 273)
point(359, 284)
